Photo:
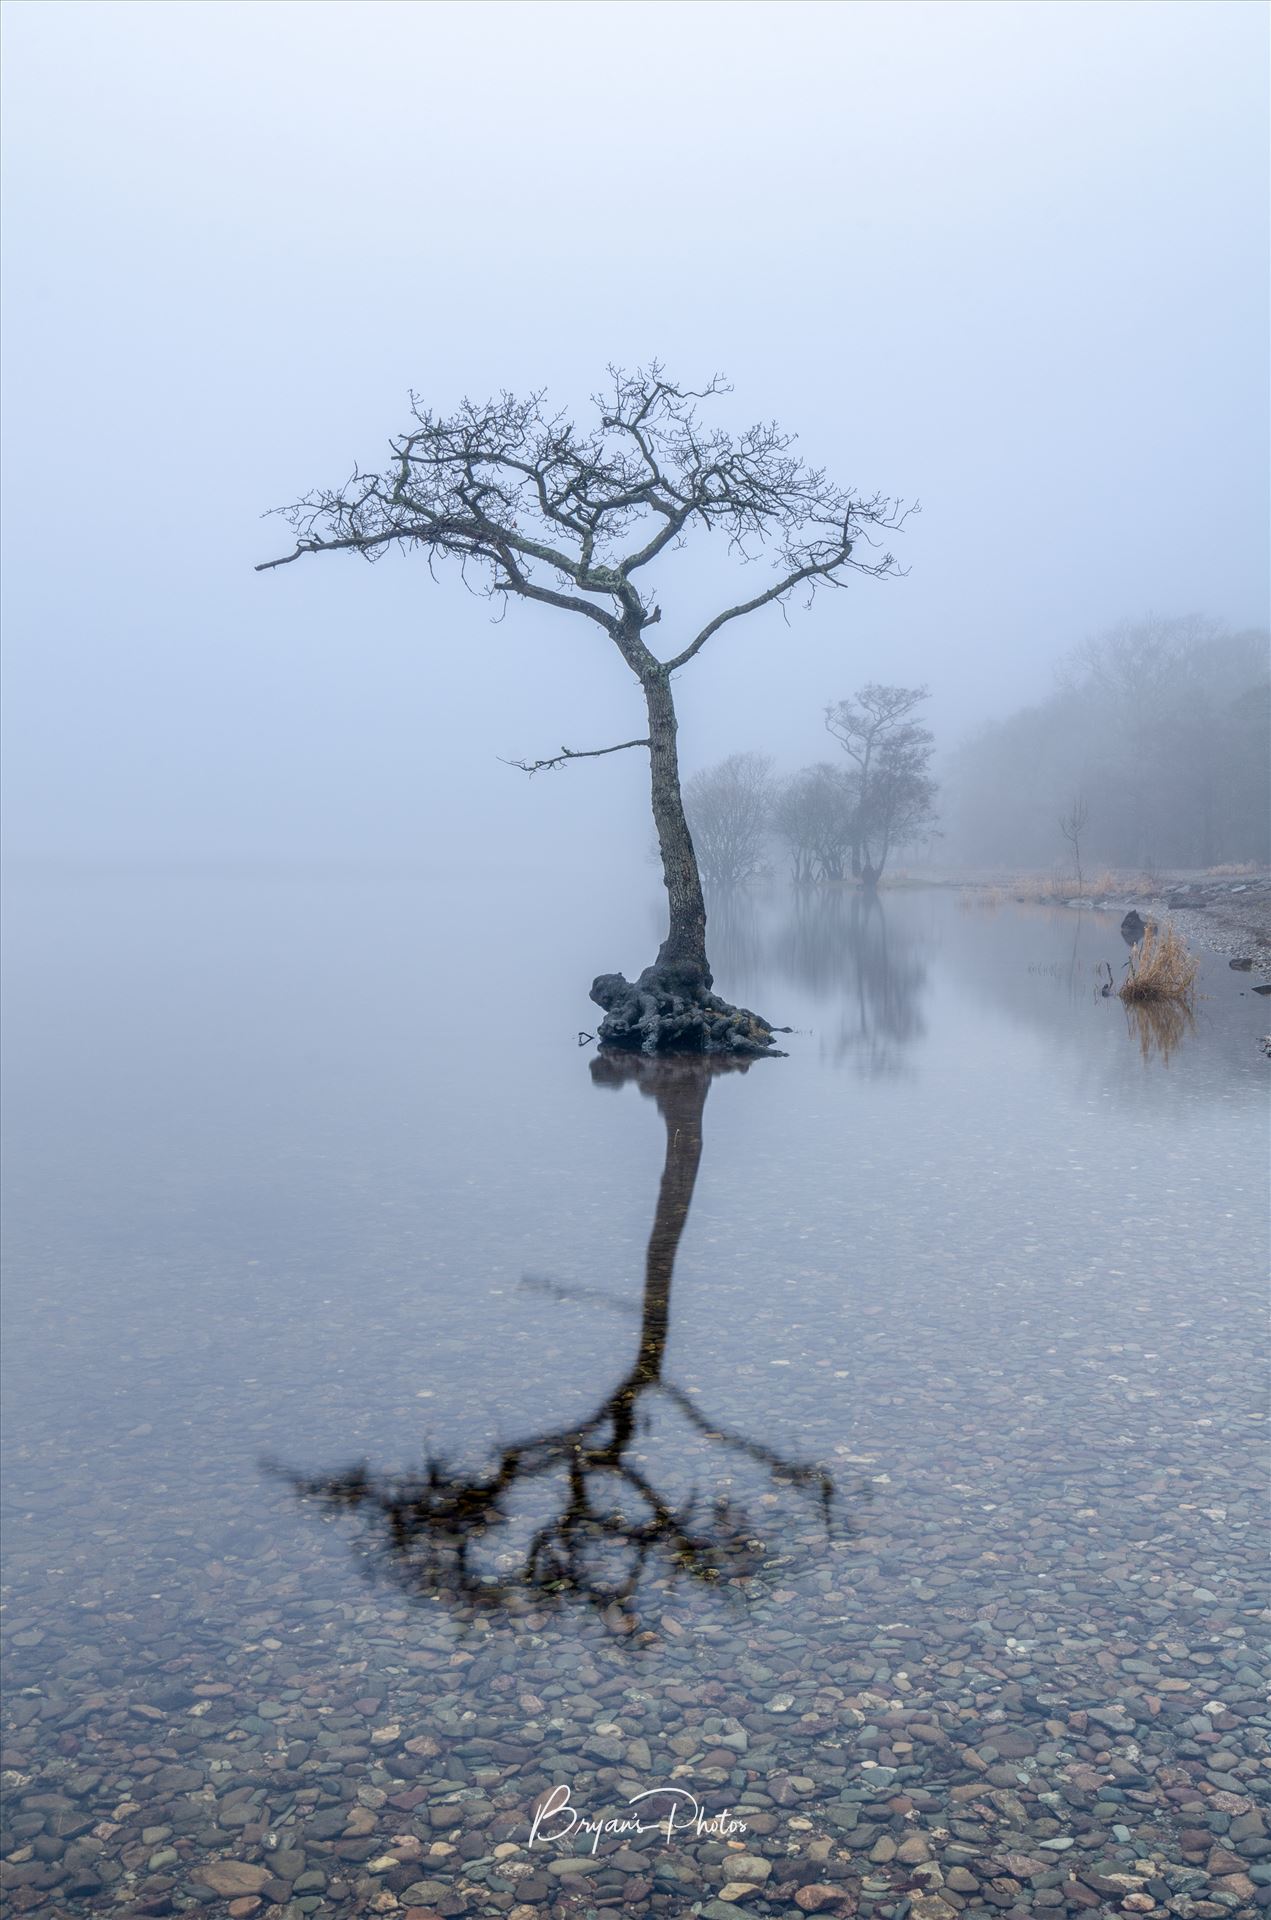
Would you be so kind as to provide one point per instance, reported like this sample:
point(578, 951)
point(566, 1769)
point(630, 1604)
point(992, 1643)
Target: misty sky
point(1007, 260)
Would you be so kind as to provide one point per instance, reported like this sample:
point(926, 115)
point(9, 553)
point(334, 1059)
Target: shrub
point(1160, 968)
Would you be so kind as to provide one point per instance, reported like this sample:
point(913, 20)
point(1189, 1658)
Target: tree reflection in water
point(600, 1523)
point(838, 944)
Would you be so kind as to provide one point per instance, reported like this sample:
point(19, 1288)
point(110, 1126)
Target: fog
point(423, 1340)
point(1006, 261)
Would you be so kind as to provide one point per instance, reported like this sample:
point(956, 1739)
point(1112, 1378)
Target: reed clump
point(1160, 967)
point(988, 897)
point(1043, 889)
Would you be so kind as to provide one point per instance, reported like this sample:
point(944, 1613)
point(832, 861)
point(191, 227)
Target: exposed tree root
point(672, 1010)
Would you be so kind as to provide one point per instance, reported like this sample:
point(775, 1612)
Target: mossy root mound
point(669, 1010)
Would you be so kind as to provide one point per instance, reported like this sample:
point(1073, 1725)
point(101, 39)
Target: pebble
point(1024, 1675)
point(232, 1876)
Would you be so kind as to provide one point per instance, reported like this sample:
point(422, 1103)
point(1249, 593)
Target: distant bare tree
point(901, 806)
point(815, 816)
point(728, 808)
point(533, 507)
point(890, 752)
point(1072, 825)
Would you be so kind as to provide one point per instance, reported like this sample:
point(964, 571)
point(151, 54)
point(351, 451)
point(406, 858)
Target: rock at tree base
point(668, 1011)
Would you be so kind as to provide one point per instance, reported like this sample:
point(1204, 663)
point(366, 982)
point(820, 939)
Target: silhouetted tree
point(890, 752)
point(533, 507)
point(728, 809)
point(815, 817)
point(1072, 825)
point(901, 806)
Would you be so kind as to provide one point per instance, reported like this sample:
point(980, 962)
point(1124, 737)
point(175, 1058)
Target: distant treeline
point(828, 821)
point(1157, 737)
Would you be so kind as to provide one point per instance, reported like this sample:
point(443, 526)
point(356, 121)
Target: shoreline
point(1224, 913)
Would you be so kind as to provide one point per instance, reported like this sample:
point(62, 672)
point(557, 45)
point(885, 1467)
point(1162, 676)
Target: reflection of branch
point(428, 1527)
point(780, 1468)
point(611, 1521)
point(564, 1290)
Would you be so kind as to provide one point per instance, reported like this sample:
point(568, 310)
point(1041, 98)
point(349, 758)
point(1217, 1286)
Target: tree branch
point(818, 569)
point(735, 613)
point(819, 565)
point(569, 515)
point(475, 538)
point(676, 519)
point(572, 753)
point(519, 582)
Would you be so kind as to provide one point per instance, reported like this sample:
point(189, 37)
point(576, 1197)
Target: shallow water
point(401, 1422)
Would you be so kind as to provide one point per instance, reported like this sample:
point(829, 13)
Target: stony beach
point(1017, 1664)
point(991, 1696)
point(1226, 915)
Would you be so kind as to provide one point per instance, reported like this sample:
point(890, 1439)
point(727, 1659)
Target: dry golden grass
point(1043, 888)
point(1161, 968)
point(989, 897)
point(1063, 886)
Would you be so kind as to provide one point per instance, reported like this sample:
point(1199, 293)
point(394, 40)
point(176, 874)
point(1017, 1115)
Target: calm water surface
point(408, 1414)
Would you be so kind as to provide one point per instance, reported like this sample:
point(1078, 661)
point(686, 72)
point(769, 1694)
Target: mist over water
point(251, 1140)
point(954, 1322)
point(998, 260)
point(412, 1411)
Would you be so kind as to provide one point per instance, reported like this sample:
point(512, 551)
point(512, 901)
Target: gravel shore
point(1231, 916)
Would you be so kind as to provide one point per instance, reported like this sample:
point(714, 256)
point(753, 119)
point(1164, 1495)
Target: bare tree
point(1072, 825)
point(728, 809)
point(815, 817)
point(533, 507)
point(902, 802)
point(890, 752)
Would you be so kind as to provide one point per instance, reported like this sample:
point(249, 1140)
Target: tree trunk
point(670, 1008)
point(684, 949)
